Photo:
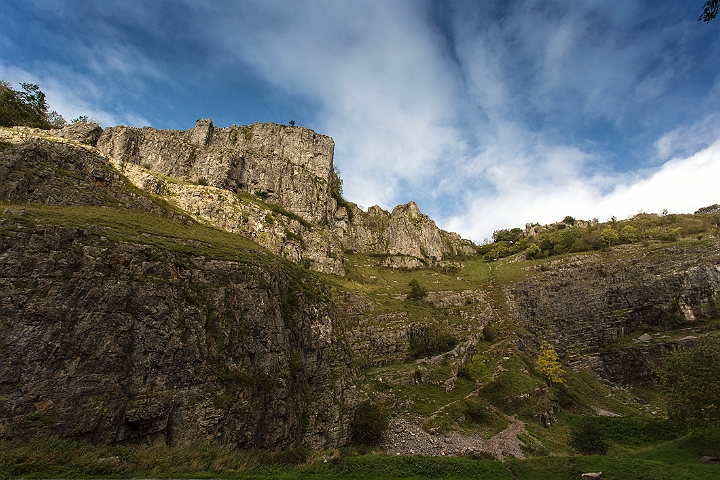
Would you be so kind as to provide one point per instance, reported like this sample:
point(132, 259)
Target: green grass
point(141, 227)
point(678, 459)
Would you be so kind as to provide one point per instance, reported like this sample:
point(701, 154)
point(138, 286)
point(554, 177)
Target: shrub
point(589, 438)
point(533, 251)
point(608, 236)
point(548, 365)
point(417, 291)
point(247, 132)
point(369, 423)
point(475, 370)
point(429, 340)
point(629, 234)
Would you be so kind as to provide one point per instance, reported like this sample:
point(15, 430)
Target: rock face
point(115, 336)
point(40, 172)
point(84, 132)
point(632, 365)
point(119, 342)
point(288, 166)
point(582, 304)
point(404, 232)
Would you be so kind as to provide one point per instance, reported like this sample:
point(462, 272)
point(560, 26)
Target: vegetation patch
point(429, 340)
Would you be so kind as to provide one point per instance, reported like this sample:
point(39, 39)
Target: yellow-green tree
point(548, 364)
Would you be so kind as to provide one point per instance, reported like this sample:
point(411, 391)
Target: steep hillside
point(212, 287)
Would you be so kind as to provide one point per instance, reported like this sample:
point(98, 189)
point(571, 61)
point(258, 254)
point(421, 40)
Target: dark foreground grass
point(52, 458)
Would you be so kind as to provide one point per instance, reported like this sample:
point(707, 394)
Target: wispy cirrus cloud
point(489, 114)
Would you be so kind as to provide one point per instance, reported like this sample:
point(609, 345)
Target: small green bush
point(416, 290)
point(533, 251)
point(589, 438)
point(247, 132)
point(369, 423)
point(429, 340)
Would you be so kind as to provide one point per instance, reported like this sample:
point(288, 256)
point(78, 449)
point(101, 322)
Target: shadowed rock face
point(584, 303)
point(116, 341)
point(119, 342)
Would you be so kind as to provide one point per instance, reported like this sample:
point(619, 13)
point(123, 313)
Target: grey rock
point(83, 132)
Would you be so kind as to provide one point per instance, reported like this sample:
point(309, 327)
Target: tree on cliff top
point(26, 107)
point(691, 385)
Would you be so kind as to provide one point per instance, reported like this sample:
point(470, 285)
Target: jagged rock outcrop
point(405, 232)
point(581, 304)
point(87, 133)
point(290, 166)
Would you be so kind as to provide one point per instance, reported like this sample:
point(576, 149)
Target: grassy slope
point(386, 289)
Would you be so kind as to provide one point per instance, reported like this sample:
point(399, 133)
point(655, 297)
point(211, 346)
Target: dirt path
point(406, 437)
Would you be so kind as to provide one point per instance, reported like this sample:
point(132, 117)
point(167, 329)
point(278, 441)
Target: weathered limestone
point(121, 342)
point(582, 304)
point(404, 232)
point(289, 166)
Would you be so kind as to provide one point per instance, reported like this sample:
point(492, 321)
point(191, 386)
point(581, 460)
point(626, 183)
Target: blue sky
point(488, 114)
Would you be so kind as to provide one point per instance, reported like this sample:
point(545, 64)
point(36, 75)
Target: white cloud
point(681, 185)
point(388, 90)
point(686, 139)
point(511, 110)
point(70, 94)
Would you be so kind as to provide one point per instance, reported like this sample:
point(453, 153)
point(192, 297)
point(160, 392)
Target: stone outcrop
point(581, 304)
point(290, 166)
point(636, 364)
point(124, 342)
point(403, 232)
point(86, 133)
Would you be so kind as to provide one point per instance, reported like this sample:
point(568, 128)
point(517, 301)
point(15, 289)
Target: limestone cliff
point(584, 303)
point(273, 165)
point(290, 166)
point(124, 317)
point(115, 326)
point(404, 232)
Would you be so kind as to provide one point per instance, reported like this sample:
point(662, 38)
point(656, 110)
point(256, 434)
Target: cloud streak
point(489, 114)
